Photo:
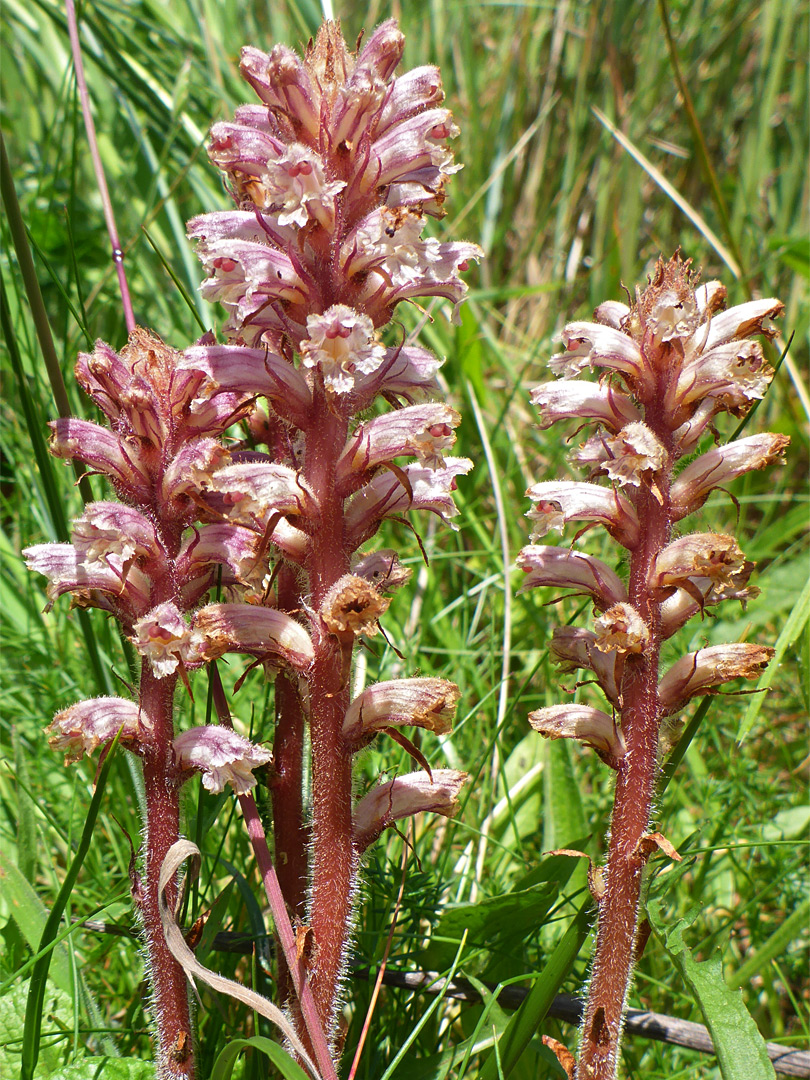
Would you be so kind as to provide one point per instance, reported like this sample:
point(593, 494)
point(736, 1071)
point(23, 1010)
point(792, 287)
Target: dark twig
point(641, 1023)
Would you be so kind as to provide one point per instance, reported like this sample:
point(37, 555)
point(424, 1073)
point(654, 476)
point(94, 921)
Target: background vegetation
point(568, 213)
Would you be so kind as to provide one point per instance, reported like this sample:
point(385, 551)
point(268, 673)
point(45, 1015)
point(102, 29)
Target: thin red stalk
point(615, 952)
point(333, 857)
point(98, 168)
point(314, 1029)
point(313, 1032)
point(168, 980)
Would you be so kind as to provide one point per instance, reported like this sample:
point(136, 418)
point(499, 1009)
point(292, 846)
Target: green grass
point(567, 217)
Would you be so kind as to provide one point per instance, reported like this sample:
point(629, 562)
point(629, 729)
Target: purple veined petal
point(238, 225)
point(742, 321)
point(221, 545)
point(713, 556)
point(421, 702)
point(734, 374)
point(411, 144)
point(114, 534)
point(283, 82)
point(634, 456)
point(222, 756)
point(254, 491)
point(585, 724)
point(103, 451)
point(260, 631)
point(720, 466)
point(423, 431)
point(355, 110)
point(383, 50)
point(383, 569)
point(413, 92)
point(702, 671)
point(191, 471)
point(243, 148)
point(128, 589)
point(407, 795)
point(569, 399)
point(562, 568)
point(683, 604)
point(612, 313)
point(384, 495)
point(104, 376)
point(574, 647)
point(165, 639)
point(559, 501)
point(407, 374)
point(256, 371)
point(595, 345)
point(83, 727)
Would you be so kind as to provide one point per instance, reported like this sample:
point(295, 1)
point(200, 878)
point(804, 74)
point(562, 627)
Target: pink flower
point(404, 797)
point(81, 728)
point(222, 756)
point(424, 703)
point(585, 724)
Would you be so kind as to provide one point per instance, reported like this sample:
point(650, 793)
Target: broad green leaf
point(30, 915)
point(741, 1051)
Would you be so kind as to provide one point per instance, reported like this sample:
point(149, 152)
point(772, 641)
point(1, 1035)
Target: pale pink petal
point(425, 703)
point(222, 756)
point(86, 725)
point(404, 797)
point(563, 568)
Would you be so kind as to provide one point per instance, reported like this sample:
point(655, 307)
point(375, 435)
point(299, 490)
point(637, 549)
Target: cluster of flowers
point(335, 174)
point(669, 363)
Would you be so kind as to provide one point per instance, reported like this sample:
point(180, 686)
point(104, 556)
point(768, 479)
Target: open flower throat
point(669, 364)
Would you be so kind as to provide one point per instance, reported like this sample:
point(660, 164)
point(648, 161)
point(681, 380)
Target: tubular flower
point(669, 363)
point(342, 158)
point(404, 797)
point(81, 728)
point(222, 756)
point(335, 177)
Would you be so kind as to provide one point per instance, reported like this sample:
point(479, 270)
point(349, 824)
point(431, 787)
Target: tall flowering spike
point(335, 175)
point(145, 561)
point(668, 364)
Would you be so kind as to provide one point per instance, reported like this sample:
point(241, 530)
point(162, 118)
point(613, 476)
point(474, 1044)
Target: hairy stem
point(615, 952)
point(168, 981)
point(333, 858)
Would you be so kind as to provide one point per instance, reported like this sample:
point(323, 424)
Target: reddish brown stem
point(333, 858)
point(614, 956)
point(175, 1056)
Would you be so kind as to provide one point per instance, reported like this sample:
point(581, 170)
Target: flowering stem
point(333, 857)
point(289, 829)
point(162, 791)
point(615, 954)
